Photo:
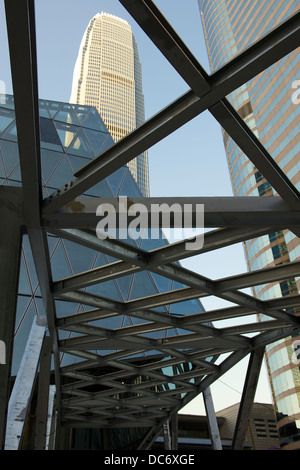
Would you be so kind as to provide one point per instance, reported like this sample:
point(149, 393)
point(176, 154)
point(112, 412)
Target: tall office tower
point(108, 75)
point(266, 104)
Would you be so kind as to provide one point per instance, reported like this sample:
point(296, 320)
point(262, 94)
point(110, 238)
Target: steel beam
point(20, 398)
point(167, 435)
point(10, 252)
point(248, 396)
point(51, 422)
point(213, 240)
point(199, 285)
point(42, 411)
point(261, 276)
point(20, 19)
point(168, 212)
point(119, 268)
point(174, 431)
point(212, 420)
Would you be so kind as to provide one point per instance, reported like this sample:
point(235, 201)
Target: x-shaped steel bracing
point(129, 387)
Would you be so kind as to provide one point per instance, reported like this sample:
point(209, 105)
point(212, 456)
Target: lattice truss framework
point(117, 389)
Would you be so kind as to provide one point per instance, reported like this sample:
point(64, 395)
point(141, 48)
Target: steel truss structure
point(100, 390)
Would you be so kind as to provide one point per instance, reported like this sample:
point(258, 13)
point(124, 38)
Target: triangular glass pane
point(44, 121)
point(124, 283)
point(108, 143)
point(23, 330)
point(64, 308)
point(107, 290)
point(16, 173)
point(59, 264)
point(66, 114)
point(100, 189)
point(43, 110)
point(94, 121)
point(81, 111)
point(126, 321)
point(142, 286)
point(115, 180)
point(187, 307)
point(110, 322)
point(129, 186)
point(24, 285)
point(9, 102)
point(49, 161)
point(80, 257)
point(52, 242)
point(53, 107)
point(153, 239)
point(178, 285)
point(30, 261)
point(96, 140)
point(77, 162)
point(66, 133)
point(2, 169)
point(10, 154)
point(49, 135)
point(40, 306)
point(163, 283)
point(62, 174)
point(80, 146)
point(22, 304)
point(6, 117)
point(100, 260)
point(10, 133)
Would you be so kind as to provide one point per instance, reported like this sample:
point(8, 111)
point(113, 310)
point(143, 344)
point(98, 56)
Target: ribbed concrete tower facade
point(108, 75)
point(267, 106)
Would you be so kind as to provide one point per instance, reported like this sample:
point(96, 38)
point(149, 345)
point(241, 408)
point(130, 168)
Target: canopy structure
point(142, 371)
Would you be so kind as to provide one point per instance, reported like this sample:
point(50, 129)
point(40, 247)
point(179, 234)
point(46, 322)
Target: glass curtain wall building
point(267, 106)
point(71, 136)
point(108, 75)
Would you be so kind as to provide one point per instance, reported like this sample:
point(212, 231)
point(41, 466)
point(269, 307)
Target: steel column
point(167, 435)
point(20, 19)
point(20, 398)
point(51, 422)
point(248, 396)
point(10, 250)
point(212, 420)
point(43, 396)
point(174, 431)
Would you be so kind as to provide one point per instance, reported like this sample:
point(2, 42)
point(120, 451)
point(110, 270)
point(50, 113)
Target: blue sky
point(190, 162)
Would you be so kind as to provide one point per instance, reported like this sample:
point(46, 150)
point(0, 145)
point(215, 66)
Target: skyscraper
point(267, 106)
point(108, 75)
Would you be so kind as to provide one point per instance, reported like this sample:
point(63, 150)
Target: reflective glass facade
point(108, 75)
point(267, 105)
point(71, 135)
